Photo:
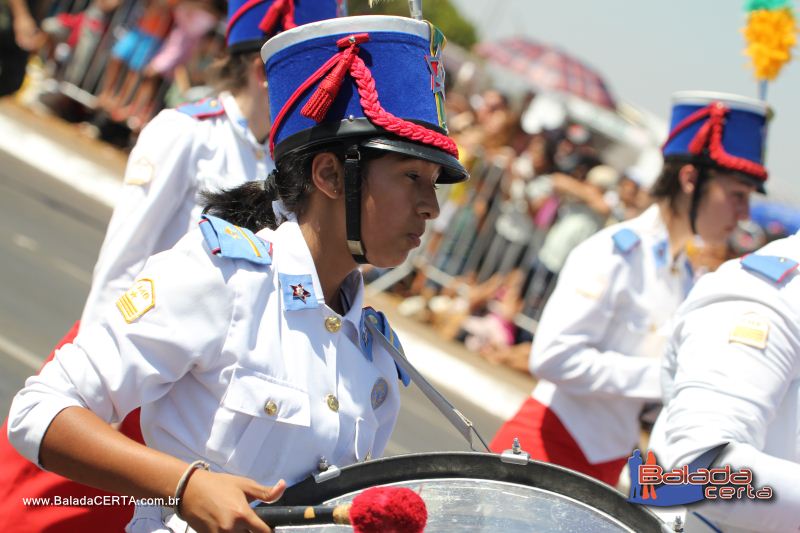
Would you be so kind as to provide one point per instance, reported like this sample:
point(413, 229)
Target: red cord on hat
point(380, 117)
point(710, 135)
point(280, 9)
point(368, 93)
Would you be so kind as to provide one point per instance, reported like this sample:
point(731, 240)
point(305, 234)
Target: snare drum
point(480, 492)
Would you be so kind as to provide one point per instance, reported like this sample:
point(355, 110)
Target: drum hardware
point(677, 524)
point(480, 492)
point(453, 415)
point(326, 471)
point(516, 455)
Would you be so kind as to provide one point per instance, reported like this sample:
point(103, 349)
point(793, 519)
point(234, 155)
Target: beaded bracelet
point(185, 481)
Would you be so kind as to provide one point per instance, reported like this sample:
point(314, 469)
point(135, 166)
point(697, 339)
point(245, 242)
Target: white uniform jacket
point(597, 348)
point(235, 362)
point(732, 374)
point(202, 146)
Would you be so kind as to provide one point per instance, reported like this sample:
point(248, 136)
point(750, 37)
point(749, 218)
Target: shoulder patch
point(205, 108)
point(625, 240)
point(137, 300)
point(379, 319)
point(770, 266)
point(139, 172)
point(226, 240)
point(750, 329)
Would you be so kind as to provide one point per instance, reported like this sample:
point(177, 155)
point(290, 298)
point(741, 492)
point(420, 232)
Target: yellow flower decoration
point(770, 36)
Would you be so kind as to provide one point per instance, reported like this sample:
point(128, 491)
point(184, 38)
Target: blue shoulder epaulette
point(379, 319)
point(770, 266)
point(625, 240)
point(205, 108)
point(226, 240)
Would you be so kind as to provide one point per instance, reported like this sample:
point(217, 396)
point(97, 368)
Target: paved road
point(49, 242)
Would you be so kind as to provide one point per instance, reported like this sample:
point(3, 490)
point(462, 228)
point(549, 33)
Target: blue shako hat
point(374, 82)
point(380, 77)
point(252, 22)
point(724, 130)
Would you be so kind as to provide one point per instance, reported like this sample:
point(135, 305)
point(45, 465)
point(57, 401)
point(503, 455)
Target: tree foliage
point(440, 12)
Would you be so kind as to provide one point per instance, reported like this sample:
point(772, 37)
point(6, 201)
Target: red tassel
point(279, 9)
point(320, 102)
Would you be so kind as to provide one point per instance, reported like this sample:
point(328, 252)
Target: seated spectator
point(582, 211)
point(193, 19)
point(625, 200)
point(133, 52)
point(19, 35)
point(74, 37)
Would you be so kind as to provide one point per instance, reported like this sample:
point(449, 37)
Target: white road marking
point(20, 354)
point(74, 271)
point(25, 242)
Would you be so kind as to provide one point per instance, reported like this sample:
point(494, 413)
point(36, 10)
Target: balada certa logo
point(651, 484)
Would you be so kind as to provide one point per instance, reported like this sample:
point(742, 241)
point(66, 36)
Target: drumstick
point(376, 510)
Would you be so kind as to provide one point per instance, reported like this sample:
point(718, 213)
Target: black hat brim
point(452, 169)
point(366, 134)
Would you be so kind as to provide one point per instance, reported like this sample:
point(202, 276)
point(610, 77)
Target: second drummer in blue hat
point(598, 346)
point(246, 345)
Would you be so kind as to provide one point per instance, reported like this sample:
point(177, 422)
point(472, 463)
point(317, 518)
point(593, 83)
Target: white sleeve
point(575, 320)
point(159, 173)
point(114, 366)
point(730, 392)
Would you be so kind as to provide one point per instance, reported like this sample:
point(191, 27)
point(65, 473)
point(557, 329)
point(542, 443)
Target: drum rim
point(545, 476)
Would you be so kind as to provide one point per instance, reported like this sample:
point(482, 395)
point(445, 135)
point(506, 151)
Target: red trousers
point(19, 478)
point(545, 438)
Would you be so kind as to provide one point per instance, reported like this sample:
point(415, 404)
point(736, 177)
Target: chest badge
point(298, 292)
point(380, 390)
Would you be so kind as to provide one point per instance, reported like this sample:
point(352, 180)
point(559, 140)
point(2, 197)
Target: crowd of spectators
point(111, 65)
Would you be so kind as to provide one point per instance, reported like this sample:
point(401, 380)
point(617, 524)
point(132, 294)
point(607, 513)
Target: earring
point(264, 84)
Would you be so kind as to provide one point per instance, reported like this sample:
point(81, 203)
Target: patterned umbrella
point(548, 69)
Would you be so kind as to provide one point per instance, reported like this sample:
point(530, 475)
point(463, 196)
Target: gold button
point(333, 403)
point(270, 408)
point(333, 324)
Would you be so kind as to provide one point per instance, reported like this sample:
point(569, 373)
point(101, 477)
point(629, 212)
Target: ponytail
point(249, 205)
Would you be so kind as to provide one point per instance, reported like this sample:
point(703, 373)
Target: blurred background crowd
point(554, 157)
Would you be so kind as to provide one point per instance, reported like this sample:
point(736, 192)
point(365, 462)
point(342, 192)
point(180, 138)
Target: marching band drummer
point(598, 346)
point(732, 375)
point(249, 353)
point(213, 144)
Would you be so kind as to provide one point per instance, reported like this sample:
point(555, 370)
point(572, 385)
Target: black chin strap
point(352, 204)
point(697, 194)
